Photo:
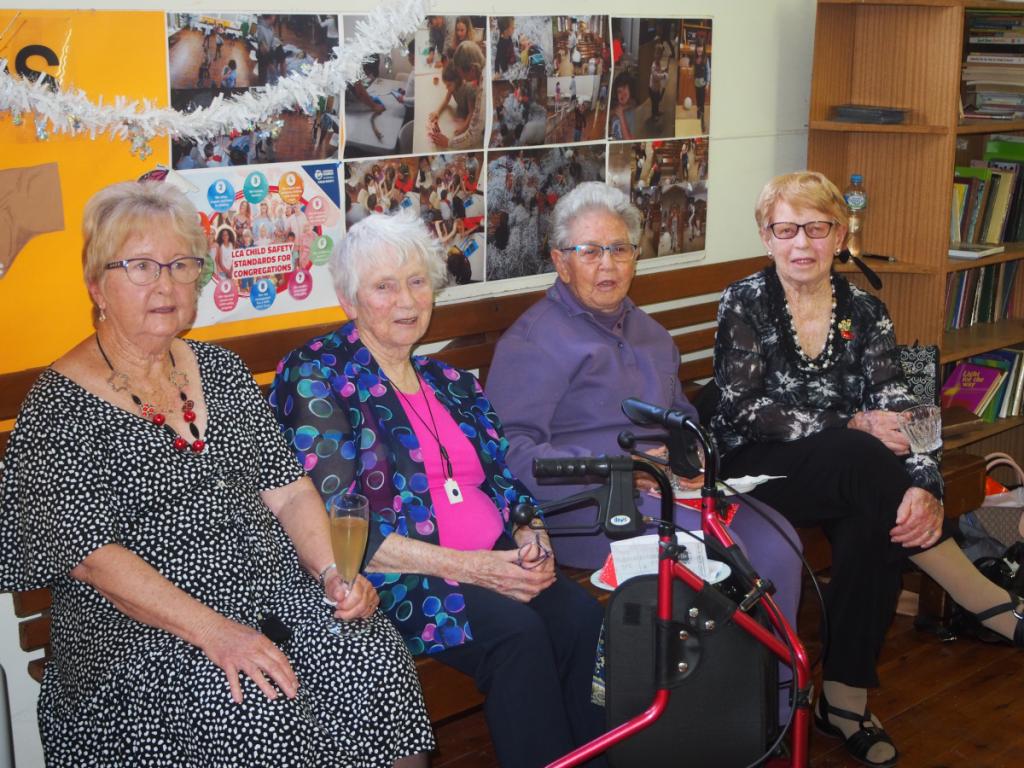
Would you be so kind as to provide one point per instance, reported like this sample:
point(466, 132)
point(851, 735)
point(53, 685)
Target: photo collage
point(478, 123)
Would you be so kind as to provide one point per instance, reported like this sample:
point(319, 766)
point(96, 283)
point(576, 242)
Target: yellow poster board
point(44, 308)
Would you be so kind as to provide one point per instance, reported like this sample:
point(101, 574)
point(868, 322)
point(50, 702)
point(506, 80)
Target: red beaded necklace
point(119, 382)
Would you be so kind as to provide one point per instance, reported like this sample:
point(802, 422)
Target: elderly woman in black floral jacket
point(812, 389)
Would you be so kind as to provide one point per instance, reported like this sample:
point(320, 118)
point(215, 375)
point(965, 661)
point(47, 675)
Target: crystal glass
point(922, 425)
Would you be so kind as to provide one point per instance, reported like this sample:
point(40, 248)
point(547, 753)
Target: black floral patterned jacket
point(771, 393)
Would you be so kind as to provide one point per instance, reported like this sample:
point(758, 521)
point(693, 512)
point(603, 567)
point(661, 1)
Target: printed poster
point(271, 230)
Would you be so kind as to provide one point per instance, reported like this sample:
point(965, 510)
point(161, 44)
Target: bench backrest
point(470, 331)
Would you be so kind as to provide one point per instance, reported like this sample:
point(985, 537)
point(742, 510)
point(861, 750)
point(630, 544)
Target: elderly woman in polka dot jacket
point(146, 483)
point(421, 441)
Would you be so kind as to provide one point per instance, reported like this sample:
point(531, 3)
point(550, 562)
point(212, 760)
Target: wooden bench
point(469, 332)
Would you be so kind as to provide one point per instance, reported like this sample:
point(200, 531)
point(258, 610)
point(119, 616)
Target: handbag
point(920, 366)
point(999, 522)
point(993, 539)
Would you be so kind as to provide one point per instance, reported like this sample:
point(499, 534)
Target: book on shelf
point(988, 196)
point(1016, 405)
point(995, 58)
point(1000, 360)
point(1003, 183)
point(971, 386)
point(989, 385)
point(979, 178)
point(974, 250)
point(979, 295)
point(961, 190)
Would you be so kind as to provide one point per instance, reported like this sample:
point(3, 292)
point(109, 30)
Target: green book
point(1002, 360)
point(996, 149)
point(979, 202)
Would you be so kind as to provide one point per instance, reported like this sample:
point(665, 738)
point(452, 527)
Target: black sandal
point(861, 741)
point(1016, 606)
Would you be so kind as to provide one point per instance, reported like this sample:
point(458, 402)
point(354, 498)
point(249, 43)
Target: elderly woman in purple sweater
point(561, 371)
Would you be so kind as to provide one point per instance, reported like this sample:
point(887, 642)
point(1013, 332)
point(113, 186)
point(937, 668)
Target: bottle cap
point(856, 178)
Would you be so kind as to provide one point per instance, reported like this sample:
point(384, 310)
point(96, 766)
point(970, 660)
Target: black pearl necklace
point(822, 361)
point(119, 382)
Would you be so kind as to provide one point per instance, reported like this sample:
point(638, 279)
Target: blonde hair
point(469, 58)
point(121, 211)
point(801, 189)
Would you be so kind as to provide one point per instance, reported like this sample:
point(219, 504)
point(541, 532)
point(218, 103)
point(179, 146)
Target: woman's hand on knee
point(501, 571)
point(236, 649)
point(918, 519)
point(885, 425)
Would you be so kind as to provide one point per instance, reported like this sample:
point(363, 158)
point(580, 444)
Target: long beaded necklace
point(825, 358)
point(119, 382)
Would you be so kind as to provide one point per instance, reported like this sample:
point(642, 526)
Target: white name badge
point(452, 491)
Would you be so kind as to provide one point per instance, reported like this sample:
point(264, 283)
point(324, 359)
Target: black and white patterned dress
point(80, 473)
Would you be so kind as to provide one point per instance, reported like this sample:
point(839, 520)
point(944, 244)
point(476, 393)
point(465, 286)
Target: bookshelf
point(908, 55)
point(1013, 252)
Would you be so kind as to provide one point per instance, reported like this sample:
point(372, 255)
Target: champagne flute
point(349, 515)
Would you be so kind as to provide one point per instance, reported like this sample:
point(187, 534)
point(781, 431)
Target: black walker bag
point(723, 707)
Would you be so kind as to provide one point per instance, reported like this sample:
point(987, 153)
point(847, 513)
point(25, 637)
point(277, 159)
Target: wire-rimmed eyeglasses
point(538, 559)
point(590, 253)
point(787, 230)
point(145, 271)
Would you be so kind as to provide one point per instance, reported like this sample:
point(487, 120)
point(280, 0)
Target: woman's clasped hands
point(520, 574)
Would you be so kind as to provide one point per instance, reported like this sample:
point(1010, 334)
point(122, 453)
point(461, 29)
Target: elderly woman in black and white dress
point(147, 485)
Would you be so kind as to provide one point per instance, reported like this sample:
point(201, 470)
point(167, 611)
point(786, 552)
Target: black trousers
point(534, 662)
point(851, 485)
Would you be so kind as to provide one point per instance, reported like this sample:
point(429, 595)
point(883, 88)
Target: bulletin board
point(554, 101)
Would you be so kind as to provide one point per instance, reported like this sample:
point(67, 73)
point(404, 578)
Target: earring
point(102, 315)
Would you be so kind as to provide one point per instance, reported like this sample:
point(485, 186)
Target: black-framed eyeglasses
point(590, 253)
point(787, 230)
point(146, 271)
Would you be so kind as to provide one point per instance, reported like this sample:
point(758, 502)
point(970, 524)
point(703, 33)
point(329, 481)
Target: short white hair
point(589, 196)
point(378, 239)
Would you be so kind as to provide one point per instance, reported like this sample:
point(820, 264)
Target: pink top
point(475, 523)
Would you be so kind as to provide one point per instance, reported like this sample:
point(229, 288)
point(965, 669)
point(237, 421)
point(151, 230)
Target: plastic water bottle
point(856, 204)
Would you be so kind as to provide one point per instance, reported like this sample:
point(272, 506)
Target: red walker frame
point(669, 569)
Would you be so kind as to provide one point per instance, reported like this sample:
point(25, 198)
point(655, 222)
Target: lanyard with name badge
point(451, 486)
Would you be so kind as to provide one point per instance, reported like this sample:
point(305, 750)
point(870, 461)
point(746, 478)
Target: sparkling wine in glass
point(349, 514)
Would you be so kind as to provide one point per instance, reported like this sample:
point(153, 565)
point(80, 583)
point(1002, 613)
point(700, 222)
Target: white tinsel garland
point(73, 112)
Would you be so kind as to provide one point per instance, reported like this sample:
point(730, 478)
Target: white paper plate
point(719, 572)
point(744, 484)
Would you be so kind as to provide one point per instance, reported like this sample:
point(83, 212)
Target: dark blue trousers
point(534, 663)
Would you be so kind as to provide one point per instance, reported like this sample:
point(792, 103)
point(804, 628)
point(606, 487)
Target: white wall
point(761, 72)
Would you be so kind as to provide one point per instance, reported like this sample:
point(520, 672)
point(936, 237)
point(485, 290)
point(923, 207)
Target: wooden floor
point(944, 704)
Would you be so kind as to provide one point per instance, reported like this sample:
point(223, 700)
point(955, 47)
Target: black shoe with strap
point(1016, 606)
point(860, 742)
